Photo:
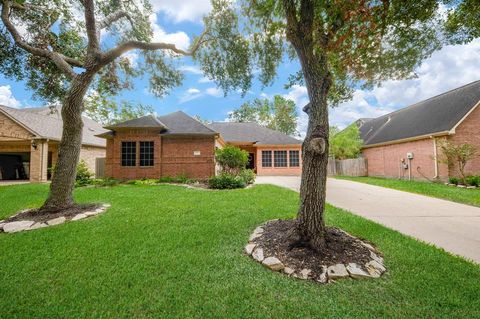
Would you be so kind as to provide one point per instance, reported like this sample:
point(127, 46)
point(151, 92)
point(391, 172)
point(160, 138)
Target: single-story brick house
point(29, 141)
point(177, 144)
point(405, 143)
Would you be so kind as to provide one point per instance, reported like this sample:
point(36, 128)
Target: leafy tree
point(57, 48)
point(463, 23)
point(279, 114)
point(347, 143)
point(232, 159)
point(339, 44)
point(457, 156)
point(106, 111)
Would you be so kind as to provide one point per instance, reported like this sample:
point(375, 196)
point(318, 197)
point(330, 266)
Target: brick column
point(38, 161)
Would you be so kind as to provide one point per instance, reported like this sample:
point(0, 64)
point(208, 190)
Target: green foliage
point(143, 181)
point(179, 179)
point(107, 111)
point(473, 180)
point(248, 176)
point(226, 181)
point(345, 144)
point(231, 159)
point(457, 156)
point(453, 180)
point(104, 182)
point(84, 175)
point(279, 114)
point(463, 23)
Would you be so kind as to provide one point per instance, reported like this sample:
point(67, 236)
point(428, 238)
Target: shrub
point(104, 182)
point(473, 180)
point(248, 176)
point(180, 179)
point(231, 159)
point(143, 181)
point(226, 181)
point(453, 180)
point(84, 175)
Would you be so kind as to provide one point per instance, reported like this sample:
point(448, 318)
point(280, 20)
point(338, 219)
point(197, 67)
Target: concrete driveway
point(451, 226)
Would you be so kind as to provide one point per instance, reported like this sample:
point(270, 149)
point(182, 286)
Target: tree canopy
point(346, 143)
point(278, 114)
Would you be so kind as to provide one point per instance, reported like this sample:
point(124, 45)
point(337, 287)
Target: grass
point(171, 252)
point(438, 190)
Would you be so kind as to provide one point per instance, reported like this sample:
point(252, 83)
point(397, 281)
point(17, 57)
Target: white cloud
point(191, 69)
point(189, 95)
point(214, 91)
point(183, 10)
point(204, 80)
point(7, 98)
point(180, 38)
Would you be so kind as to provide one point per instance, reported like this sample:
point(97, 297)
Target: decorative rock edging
point(372, 269)
point(24, 225)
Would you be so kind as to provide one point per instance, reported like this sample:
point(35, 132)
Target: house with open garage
point(29, 141)
point(176, 144)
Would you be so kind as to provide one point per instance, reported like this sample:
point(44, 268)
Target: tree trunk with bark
point(63, 182)
point(310, 217)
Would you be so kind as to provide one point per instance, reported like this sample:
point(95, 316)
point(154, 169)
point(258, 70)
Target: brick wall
point(11, 131)
point(469, 132)
point(386, 160)
point(173, 156)
point(87, 153)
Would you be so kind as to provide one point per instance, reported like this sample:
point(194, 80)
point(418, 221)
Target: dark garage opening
point(14, 166)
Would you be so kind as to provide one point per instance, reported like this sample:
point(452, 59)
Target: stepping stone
point(375, 267)
point(337, 271)
point(356, 272)
point(56, 221)
point(37, 226)
point(258, 254)
point(249, 248)
point(91, 213)
point(377, 258)
point(14, 227)
point(254, 236)
point(79, 216)
point(305, 273)
point(258, 230)
point(273, 263)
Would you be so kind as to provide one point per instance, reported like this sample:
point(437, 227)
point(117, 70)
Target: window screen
point(129, 153)
point(280, 158)
point(146, 153)
point(294, 158)
point(266, 158)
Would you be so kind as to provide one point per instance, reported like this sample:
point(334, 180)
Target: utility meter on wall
point(410, 155)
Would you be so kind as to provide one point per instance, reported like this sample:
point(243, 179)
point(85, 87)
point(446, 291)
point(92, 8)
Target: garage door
point(14, 166)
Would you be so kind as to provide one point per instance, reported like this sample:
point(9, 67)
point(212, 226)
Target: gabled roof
point(46, 123)
point(176, 123)
point(435, 116)
point(232, 132)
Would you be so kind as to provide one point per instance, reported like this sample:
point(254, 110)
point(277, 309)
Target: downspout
point(435, 157)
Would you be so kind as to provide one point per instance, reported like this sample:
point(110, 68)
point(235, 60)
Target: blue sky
point(178, 21)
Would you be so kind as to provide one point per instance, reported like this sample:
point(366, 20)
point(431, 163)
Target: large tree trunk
point(63, 181)
point(311, 223)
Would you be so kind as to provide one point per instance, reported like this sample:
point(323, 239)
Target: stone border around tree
point(24, 225)
point(374, 268)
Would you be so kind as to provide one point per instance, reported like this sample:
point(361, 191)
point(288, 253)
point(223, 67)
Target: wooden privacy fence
point(348, 167)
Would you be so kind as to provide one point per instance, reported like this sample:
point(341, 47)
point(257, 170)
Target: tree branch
point(62, 62)
point(113, 17)
point(292, 21)
point(116, 52)
point(91, 26)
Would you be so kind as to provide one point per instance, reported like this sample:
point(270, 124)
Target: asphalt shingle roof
point(435, 115)
point(148, 121)
point(251, 132)
point(45, 124)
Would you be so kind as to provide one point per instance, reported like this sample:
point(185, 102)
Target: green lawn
point(455, 194)
point(171, 252)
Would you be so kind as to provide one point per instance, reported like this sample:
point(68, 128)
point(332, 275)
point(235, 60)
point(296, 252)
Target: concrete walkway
point(451, 226)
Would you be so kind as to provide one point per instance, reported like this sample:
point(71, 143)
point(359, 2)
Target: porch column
point(38, 160)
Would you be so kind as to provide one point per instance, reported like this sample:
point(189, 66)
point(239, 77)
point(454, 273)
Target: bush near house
point(84, 176)
point(233, 161)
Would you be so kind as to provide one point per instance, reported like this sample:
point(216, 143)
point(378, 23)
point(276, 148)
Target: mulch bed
point(341, 248)
point(33, 214)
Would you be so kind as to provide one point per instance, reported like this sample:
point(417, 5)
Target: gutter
point(409, 139)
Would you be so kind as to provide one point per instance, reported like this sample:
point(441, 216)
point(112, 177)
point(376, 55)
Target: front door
point(251, 161)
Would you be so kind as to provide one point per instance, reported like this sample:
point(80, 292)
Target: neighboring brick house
point(177, 144)
point(415, 131)
point(29, 141)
